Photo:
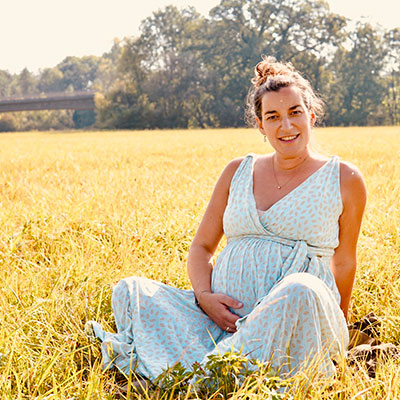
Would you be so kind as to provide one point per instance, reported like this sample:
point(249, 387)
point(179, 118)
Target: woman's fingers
point(216, 306)
point(231, 318)
point(230, 302)
point(228, 318)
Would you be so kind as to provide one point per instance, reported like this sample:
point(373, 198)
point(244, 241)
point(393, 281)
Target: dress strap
point(242, 167)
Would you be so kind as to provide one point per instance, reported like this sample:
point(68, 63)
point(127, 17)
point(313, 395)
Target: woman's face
point(286, 121)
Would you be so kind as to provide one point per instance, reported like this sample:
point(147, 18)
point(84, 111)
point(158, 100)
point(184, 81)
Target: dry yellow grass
point(81, 210)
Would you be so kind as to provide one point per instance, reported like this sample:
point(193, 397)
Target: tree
point(161, 82)
point(124, 108)
point(243, 30)
point(169, 31)
point(26, 83)
point(126, 105)
point(304, 26)
point(8, 123)
point(83, 118)
point(357, 90)
point(392, 98)
point(51, 80)
point(78, 73)
point(5, 83)
point(107, 70)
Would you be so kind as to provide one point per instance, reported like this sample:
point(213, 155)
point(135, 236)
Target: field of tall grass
point(81, 210)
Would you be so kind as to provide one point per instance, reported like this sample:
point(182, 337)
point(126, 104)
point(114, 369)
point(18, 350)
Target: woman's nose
point(286, 123)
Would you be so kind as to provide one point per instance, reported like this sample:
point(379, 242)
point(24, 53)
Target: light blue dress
point(276, 264)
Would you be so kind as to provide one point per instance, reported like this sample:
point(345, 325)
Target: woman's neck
point(283, 163)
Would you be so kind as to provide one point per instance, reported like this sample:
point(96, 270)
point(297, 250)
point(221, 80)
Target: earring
point(265, 139)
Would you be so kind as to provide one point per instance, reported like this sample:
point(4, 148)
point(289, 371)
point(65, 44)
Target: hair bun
point(270, 67)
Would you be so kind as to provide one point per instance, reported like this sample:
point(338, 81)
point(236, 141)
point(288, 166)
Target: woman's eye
point(271, 117)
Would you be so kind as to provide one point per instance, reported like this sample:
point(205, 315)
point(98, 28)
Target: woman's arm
point(202, 249)
point(343, 265)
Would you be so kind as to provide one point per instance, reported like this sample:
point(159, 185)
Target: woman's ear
point(260, 126)
point(313, 119)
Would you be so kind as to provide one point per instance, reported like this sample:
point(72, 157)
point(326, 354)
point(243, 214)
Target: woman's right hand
point(216, 306)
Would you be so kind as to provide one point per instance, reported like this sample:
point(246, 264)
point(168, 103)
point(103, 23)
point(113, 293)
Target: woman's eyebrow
point(270, 112)
point(274, 111)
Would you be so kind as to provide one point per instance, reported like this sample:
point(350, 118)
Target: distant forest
point(185, 70)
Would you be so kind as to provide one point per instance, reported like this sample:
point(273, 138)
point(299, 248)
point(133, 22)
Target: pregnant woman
point(280, 289)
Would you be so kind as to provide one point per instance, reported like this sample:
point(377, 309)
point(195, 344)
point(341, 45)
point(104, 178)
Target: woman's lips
point(288, 139)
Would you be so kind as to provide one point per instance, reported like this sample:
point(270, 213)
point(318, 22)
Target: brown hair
point(270, 76)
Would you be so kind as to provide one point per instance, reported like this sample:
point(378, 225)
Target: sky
point(40, 33)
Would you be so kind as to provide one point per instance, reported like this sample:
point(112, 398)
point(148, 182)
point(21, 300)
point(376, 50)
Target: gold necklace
point(278, 185)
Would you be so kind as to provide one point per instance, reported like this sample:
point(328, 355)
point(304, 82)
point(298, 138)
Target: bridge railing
point(49, 101)
point(47, 95)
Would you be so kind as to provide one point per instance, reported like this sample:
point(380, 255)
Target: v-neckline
point(254, 157)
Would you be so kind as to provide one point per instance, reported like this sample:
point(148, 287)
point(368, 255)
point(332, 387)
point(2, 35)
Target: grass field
point(81, 210)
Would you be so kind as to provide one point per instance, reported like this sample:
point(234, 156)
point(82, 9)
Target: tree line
point(186, 70)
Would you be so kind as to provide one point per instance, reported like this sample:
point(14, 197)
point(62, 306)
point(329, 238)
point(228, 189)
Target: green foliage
point(51, 80)
point(125, 108)
point(185, 70)
point(44, 120)
point(195, 71)
point(7, 123)
point(357, 89)
point(392, 79)
point(5, 83)
point(26, 83)
point(83, 118)
point(392, 98)
point(222, 375)
point(78, 73)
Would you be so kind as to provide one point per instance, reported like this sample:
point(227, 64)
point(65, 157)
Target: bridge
point(49, 101)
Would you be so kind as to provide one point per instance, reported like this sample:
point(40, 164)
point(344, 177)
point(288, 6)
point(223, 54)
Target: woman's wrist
point(200, 294)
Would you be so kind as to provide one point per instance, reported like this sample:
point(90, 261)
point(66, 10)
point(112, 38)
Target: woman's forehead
point(286, 97)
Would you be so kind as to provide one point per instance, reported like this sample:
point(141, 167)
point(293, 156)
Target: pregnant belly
point(247, 269)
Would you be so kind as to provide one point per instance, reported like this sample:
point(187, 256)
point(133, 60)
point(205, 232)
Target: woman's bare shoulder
point(352, 183)
point(350, 173)
point(228, 172)
point(233, 165)
point(231, 168)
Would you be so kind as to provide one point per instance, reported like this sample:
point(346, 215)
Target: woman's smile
point(289, 139)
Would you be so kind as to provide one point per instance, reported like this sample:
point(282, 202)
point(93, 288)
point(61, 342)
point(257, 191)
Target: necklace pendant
point(279, 187)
